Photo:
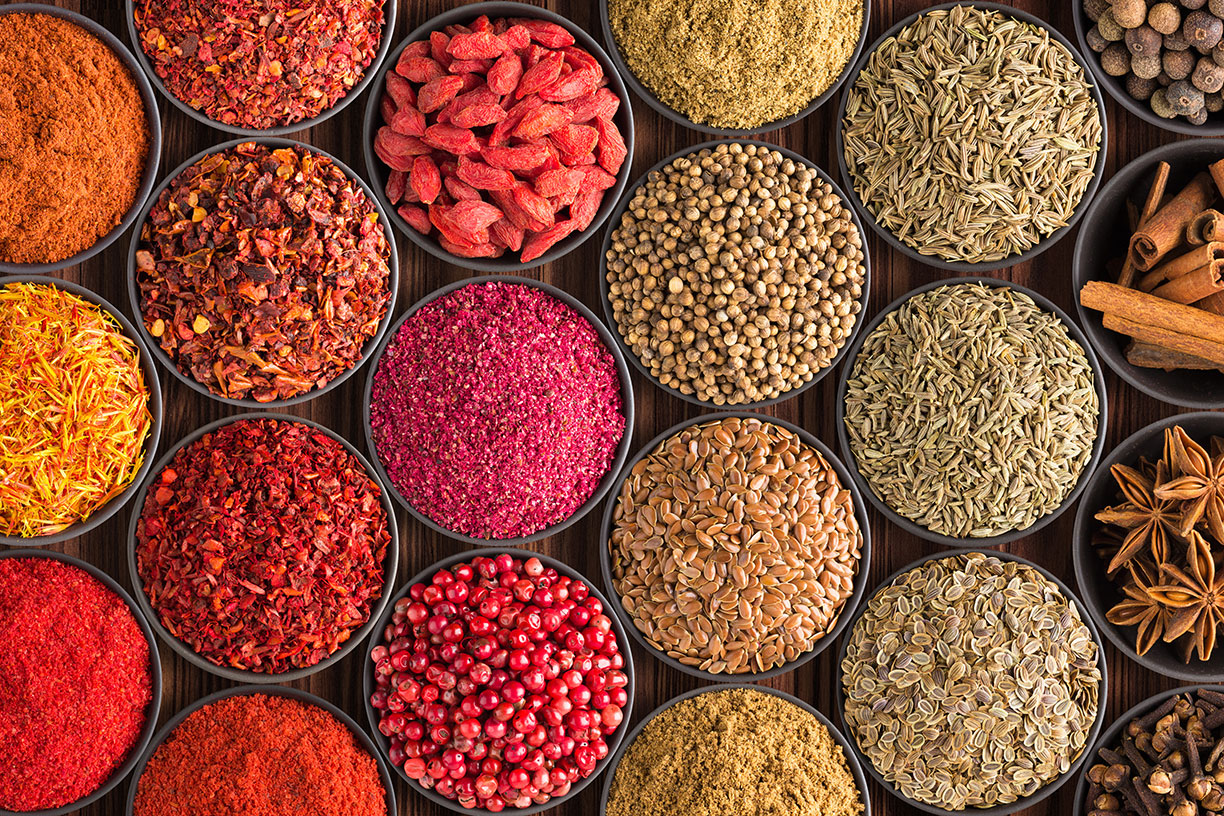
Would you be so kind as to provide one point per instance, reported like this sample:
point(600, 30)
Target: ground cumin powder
point(736, 63)
point(73, 139)
point(738, 752)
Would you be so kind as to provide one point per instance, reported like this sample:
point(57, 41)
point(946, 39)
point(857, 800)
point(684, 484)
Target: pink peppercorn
point(496, 410)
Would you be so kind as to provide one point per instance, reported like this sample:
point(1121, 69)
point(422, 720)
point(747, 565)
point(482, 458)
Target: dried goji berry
point(553, 162)
point(409, 196)
point(596, 178)
point(416, 48)
point(451, 139)
point(547, 34)
point(425, 179)
point(485, 250)
point(505, 74)
point(575, 140)
point(478, 116)
point(416, 217)
point(534, 54)
point(517, 215)
point(483, 176)
point(573, 85)
point(437, 48)
point(419, 69)
point(519, 158)
point(505, 232)
point(386, 108)
point(602, 104)
point(479, 45)
point(500, 137)
point(516, 37)
point(397, 180)
point(537, 244)
point(409, 121)
point(558, 183)
point(535, 205)
point(454, 28)
point(541, 121)
point(586, 207)
point(434, 94)
point(540, 75)
point(396, 150)
point(459, 190)
point(475, 66)
point(612, 150)
point(400, 90)
point(576, 57)
point(482, 23)
point(473, 216)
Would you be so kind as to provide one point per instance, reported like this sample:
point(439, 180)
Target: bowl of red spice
point(69, 195)
point(261, 749)
point(66, 625)
point(263, 548)
point(261, 67)
point(499, 136)
point(65, 473)
point(542, 674)
point(264, 272)
point(498, 410)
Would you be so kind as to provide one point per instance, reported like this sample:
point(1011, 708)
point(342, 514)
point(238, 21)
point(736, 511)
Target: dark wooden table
point(892, 275)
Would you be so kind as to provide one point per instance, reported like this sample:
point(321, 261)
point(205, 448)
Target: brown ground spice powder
point(737, 752)
point(736, 63)
point(73, 139)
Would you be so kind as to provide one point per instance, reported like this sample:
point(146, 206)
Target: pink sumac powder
point(496, 410)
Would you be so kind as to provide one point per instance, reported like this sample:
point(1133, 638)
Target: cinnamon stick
point(1160, 336)
point(1194, 286)
point(1182, 265)
point(1206, 227)
point(1146, 355)
point(1153, 203)
point(1141, 307)
point(1217, 175)
point(1213, 303)
point(1165, 230)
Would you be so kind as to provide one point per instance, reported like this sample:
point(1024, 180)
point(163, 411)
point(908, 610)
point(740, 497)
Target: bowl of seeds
point(971, 411)
point(734, 274)
point(969, 682)
point(1159, 59)
point(736, 68)
point(736, 547)
point(1144, 764)
point(1147, 536)
point(1007, 162)
point(735, 750)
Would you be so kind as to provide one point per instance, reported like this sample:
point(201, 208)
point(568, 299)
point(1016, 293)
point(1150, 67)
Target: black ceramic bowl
point(155, 409)
point(659, 107)
point(1104, 238)
point(152, 117)
point(852, 759)
point(1113, 735)
point(605, 287)
point(1099, 592)
point(384, 45)
point(848, 608)
point(1011, 260)
point(155, 686)
point(379, 171)
point(1116, 86)
point(622, 450)
point(843, 437)
point(370, 344)
point(363, 739)
point(1041, 794)
point(390, 562)
point(425, 576)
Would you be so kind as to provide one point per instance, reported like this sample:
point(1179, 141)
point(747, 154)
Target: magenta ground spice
point(496, 410)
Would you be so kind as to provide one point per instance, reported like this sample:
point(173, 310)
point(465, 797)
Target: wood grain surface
point(892, 275)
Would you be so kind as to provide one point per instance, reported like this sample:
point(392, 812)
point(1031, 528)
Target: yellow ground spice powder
point(736, 752)
point(736, 63)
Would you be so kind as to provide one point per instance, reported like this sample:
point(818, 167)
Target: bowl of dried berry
point(1159, 59)
point(529, 648)
point(499, 136)
point(1146, 542)
point(705, 599)
point(267, 68)
point(735, 274)
point(264, 272)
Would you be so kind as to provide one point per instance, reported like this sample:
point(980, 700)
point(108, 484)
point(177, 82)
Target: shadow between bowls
point(1011, 260)
point(843, 438)
point(379, 171)
point(605, 292)
point(152, 383)
point(627, 408)
point(1098, 591)
point(362, 738)
point(155, 685)
point(390, 561)
point(1103, 238)
point(659, 107)
point(393, 272)
point(152, 117)
point(1053, 785)
point(1113, 735)
point(848, 608)
point(466, 557)
point(852, 759)
point(147, 71)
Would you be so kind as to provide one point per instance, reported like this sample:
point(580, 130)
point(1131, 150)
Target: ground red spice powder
point(260, 755)
point(75, 684)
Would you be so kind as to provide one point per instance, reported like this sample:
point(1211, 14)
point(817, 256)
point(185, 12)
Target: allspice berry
point(1130, 13)
point(1095, 41)
point(1109, 27)
point(1095, 8)
point(1145, 66)
point(1213, 103)
point(1165, 18)
point(1160, 104)
point(1176, 42)
point(1203, 30)
point(1178, 64)
point(1216, 7)
point(1116, 60)
point(1144, 41)
point(1208, 77)
point(1199, 117)
point(1193, 4)
point(1184, 98)
point(1141, 89)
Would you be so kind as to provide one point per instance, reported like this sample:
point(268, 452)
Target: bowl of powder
point(735, 67)
point(498, 409)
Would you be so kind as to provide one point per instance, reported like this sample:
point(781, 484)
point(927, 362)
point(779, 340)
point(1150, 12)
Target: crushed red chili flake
point(496, 410)
point(259, 64)
point(260, 754)
point(263, 272)
point(261, 545)
point(75, 683)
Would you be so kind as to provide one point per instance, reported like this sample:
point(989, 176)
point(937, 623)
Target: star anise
point(1198, 481)
point(1140, 608)
point(1196, 597)
point(1148, 518)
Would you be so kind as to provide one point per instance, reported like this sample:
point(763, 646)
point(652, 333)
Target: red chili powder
point(75, 684)
point(496, 410)
point(261, 545)
point(259, 755)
